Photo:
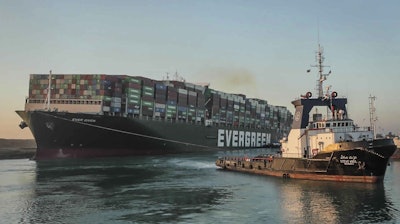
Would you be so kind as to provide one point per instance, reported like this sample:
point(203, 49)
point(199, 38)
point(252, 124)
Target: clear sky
point(258, 48)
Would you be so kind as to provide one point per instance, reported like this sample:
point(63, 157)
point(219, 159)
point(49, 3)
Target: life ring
point(334, 94)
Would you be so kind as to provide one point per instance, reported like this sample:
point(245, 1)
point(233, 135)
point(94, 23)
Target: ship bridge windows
point(319, 125)
point(341, 124)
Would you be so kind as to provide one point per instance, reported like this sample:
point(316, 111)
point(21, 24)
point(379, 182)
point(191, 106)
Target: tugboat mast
point(320, 66)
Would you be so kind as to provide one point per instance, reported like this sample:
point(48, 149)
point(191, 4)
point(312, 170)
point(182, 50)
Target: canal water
point(186, 188)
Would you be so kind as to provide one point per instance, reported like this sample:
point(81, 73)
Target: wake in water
point(191, 163)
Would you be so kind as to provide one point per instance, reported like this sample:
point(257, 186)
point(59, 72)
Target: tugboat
point(330, 147)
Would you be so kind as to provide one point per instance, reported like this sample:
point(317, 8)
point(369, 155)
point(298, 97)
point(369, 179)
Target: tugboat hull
point(353, 165)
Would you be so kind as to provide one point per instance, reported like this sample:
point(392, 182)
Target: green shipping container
point(133, 96)
point(148, 89)
point(148, 94)
point(107, 98)
point(133, 80)
point(147, 103)
point(134, 101)
point(133, 91)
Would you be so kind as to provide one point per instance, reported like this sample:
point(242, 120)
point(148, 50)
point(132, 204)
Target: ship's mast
point(320, 66)
point(47, 102)
point(372, 116)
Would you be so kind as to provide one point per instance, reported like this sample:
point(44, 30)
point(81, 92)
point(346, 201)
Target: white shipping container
point(159, 105)
point(114, 104)
point(106, 109)
point(116, 99)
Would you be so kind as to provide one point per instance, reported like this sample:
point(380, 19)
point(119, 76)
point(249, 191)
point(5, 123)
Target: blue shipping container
point(182, 108)
point(161, 110)
point(161, 86)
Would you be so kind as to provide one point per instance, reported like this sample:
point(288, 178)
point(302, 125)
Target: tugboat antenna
point(320, 66)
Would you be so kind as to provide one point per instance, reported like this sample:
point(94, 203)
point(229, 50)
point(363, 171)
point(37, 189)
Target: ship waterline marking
point(235, 138)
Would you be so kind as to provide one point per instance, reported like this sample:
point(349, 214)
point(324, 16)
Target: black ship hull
point(73, 135)
point(367, 165)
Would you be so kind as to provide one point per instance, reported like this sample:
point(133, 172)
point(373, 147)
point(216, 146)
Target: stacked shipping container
point(237, 110)
point(172, 100)
point(172, 97)
point(78, 89)
point(132, 95)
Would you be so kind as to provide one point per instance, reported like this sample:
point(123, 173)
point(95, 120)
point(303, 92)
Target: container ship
point(97, 115)
point(329, 147)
